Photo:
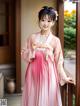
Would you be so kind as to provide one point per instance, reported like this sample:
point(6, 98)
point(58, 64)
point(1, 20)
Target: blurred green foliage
point(70, 31)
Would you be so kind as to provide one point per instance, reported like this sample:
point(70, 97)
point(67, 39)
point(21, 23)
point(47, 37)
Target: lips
point(45, 27)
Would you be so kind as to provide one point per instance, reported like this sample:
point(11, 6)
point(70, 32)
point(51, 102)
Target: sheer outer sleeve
point(26, 51)
point(58, 55)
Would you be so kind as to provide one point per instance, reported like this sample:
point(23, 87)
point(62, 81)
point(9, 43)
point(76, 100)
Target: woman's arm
point(27, 52)
point(58, 55)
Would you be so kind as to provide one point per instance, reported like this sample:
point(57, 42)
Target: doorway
point(10, 39)
point(7, 32)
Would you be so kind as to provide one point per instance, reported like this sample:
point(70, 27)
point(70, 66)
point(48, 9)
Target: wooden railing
point(68, 95)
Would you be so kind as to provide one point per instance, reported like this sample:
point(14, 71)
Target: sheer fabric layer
point(41, 86)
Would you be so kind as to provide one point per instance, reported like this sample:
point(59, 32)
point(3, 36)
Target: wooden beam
point(61, 0)
point(78, 55)
point(18, 45)
point(60, 7)
point(60, 33)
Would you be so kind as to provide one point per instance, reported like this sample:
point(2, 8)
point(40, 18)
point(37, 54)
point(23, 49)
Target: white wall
point(29, 22)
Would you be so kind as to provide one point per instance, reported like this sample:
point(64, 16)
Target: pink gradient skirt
point(41, 87)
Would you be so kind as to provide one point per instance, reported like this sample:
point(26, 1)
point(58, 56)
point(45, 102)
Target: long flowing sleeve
point(27, 52)
point(58, 55)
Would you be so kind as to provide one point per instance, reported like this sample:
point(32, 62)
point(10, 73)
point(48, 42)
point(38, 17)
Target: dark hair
point(47, 11)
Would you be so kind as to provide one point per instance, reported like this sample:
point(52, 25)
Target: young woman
point(44, 58)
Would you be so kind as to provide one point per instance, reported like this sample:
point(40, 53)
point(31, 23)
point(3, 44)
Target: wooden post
point(60, 28)
point(18, 45)
point(78, 55)
point(60, 33)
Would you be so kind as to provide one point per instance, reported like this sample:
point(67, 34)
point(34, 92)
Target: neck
point(46, 33)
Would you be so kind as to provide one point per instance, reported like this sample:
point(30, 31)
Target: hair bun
point(45, 7)
point(51, 8)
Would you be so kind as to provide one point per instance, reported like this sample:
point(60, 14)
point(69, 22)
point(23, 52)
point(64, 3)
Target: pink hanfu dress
point(44, 73)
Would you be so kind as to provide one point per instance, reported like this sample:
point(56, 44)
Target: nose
point(45, 23)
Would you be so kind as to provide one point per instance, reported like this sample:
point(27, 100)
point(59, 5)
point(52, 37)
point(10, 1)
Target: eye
point(49, 21)
point(42, 20)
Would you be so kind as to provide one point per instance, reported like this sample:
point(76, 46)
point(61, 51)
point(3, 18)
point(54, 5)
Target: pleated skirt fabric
point(41, 87)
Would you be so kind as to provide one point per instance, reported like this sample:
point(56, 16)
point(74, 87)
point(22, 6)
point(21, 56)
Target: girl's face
point(46, 23)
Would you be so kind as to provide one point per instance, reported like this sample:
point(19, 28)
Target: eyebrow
point(49, 18)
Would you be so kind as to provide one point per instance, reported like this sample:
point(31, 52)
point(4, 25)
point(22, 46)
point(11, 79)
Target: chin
point(45, 29)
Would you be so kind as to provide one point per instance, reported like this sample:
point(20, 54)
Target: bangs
point(50, 18)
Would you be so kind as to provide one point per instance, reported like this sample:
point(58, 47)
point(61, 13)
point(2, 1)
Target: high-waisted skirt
point(41, 87)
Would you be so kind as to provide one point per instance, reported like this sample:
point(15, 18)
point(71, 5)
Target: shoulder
point(55, 39)
point(33, 35)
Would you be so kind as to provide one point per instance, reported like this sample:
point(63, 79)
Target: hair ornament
point(56, 15)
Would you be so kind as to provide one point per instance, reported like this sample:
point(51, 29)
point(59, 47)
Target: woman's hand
point(41, 45)
point(69, 80)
